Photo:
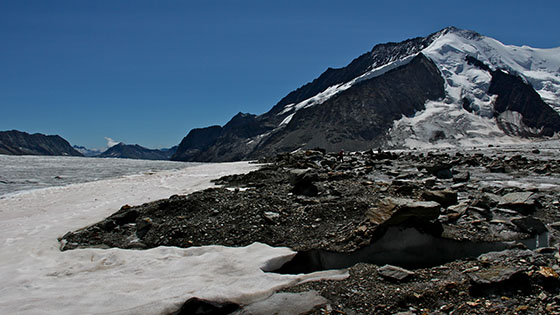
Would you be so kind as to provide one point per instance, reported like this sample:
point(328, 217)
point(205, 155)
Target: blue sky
point(147, 72)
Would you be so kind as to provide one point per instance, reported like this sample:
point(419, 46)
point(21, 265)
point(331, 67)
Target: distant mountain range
point(87, 152)
point(21, 143)
point(452, 88)
point(15, 142)
point(135, 151)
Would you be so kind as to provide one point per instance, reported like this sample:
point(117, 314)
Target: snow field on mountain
point(538, 67)
point(462, 80)
point(37, 278)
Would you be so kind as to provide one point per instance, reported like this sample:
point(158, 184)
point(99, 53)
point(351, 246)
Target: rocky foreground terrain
point(422, 232)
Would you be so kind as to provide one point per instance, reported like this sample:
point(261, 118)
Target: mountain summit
point(452, 88)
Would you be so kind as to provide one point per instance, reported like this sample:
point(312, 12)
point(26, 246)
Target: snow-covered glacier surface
point(37, 278)
point(19, 173)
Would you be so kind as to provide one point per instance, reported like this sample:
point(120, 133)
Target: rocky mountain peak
point(452, 95)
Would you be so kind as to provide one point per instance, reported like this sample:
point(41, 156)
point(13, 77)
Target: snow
point(460, 128)
point(539, 67)
point(37, 278)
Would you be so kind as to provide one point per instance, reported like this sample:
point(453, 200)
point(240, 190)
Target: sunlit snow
point(37, 278)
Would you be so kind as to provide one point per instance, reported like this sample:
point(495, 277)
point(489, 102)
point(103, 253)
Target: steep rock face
point(380, 55)
point(220, 144)
point(198, 140)
point(21, 143)
point(128, 151)
point(516, 96)
point(358, 118)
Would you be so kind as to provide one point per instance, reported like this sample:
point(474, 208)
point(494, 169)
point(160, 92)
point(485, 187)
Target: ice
point(37, 278)
point(20, 173)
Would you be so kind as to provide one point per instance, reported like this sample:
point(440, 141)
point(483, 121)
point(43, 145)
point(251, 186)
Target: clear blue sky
point(147, 72)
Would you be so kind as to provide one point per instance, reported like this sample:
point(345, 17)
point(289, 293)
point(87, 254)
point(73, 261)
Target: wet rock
point(524, 202)
point(196, 306)
point(445, 198)
point(392, 211)
point(394, 273)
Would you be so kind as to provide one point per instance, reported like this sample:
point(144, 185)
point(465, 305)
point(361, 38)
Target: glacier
point(37, 278)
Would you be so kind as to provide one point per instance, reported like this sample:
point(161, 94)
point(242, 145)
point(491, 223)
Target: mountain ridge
point(466, 115)
point(135, 151)
point(14, 142)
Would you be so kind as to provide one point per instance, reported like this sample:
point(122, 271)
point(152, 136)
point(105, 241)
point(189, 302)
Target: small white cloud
point(111, 142)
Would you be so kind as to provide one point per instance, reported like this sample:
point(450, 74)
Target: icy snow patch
point(37, 278)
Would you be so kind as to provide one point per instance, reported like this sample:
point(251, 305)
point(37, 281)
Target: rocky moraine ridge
point(435, 232)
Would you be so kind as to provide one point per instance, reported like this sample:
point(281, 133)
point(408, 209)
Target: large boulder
point(393, 211)
point(445, 198)
point(524, 202)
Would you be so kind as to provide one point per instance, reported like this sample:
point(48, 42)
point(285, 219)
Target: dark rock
point(394, 273)
point(487, 201)
point(496, 167)
point(499, 280)
point(462, 177)
point(303, 183)
point(125, 217)
point(516, 95)
point(441, 171)
point(524, 202)
point(196, 306)
point(393, 211)
point(529, 225)
point(445, 198)
point(143, 226)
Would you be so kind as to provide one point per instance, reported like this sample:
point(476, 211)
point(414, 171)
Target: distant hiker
point(341, 156)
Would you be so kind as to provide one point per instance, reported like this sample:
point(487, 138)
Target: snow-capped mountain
point(134, 151)
point(453, 87)
point(87, 152)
